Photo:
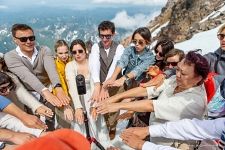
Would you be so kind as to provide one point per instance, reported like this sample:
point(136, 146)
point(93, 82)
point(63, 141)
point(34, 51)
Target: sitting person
point(180, 96)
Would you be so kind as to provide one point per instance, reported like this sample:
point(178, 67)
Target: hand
point(141, 132)
point(79, 115)
point(68, 113)
point(103, 94)
point(125, 116)
point(95, 95)
point(118, 83)
point(32, 121)
point(108, 82)
point(51, 98)
point(21, 138)
point(61, 95)
point(108, 107)
point(132, 140)
point(44, 111)
point(94, 114)
point(156, 81)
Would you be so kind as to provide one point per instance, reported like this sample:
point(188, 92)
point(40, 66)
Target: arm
point(4, 102)
point(187, 129)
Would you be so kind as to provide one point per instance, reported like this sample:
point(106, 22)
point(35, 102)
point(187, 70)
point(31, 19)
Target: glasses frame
point(107, 36)
point(80, 51)
point(221, 36)
point(24, 39)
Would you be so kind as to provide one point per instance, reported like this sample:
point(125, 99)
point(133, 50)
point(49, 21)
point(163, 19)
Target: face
point(185, 75)
point(79, 53)
point(25, 40)
point(139, 42)
point(158, 52)
point(106, 37)
point(221, 37)
point(62, 53)
point(5, 89)
point(172, 62)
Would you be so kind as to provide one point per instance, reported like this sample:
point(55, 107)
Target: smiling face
point(5, 89)
point(79, 53)
point(62, 53)
point(106, 37)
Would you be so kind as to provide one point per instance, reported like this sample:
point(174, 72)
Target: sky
point(10, 4)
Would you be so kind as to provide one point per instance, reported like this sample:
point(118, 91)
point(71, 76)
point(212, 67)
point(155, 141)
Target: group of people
point(163, 91)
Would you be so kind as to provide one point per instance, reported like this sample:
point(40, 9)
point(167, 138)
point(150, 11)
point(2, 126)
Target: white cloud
point(123, 20)
point(3, 7)
point(135, 2)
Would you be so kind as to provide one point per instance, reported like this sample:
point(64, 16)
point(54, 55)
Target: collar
point(21, 54)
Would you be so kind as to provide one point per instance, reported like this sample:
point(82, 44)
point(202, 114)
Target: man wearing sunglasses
point(35, 66)
point(103, 58)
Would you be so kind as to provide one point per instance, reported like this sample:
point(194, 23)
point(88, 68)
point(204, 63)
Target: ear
point(15, 40)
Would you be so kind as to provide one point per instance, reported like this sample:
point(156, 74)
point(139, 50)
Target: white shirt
point(21, 54)
point(185, 129)
point(94, 62)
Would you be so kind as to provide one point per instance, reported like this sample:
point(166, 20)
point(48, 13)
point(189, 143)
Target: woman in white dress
point(79, 65)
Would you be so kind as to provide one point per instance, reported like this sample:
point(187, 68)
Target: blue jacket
point(4, 102)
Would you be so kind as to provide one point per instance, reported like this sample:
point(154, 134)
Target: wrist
point(140, 144)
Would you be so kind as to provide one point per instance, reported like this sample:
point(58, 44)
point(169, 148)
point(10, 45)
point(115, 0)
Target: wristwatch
point(57, 85)
point(127, 80)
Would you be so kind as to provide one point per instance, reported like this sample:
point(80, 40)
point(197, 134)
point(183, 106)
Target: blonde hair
point(221, 29)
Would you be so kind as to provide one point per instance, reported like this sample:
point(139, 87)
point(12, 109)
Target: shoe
point(112, 134)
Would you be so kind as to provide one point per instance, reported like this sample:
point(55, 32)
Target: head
point(173, 57)
point(3, 66)
point(192, 70)
point(141, 38)
point(106, 31)
point(221, 37)
point(62, 50)
point(162, 47)
point(78, 50)
point(23, 36)
point(6, 84)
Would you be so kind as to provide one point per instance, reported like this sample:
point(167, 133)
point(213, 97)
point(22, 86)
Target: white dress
point(97, 127)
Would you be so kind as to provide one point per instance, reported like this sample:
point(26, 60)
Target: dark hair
point(201, 64)
point(144, 32)
point(174, 52)
point(4, 78)
point(166, 45)
point(17, 27)
point(60, 43)
point(80, 42)
point(106, 25)
point(2, 61)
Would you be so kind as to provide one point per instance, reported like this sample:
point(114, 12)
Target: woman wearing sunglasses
point(134, 61)
point(77, 66)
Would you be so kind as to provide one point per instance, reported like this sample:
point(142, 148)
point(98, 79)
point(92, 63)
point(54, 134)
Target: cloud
point(134, 2)
point(123, 20)
point(3, 7)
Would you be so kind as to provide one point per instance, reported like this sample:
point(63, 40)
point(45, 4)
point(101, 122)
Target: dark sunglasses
point(24, 39)
point(174, 64)
point(220, 36)
point(139, 42)
point(4, 89)
point(80, 51)
point(108, 36)
point(160, 53)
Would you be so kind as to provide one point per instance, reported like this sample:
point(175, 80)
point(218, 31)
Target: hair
point(4, 78)
point(221, 29)
point(17, 27)
point(201, 66)
point(166, 44)
point(174, 52)
point(106, 25)
point(145, 34)
point(60, 43)
point(2, 61)
point(80, 42)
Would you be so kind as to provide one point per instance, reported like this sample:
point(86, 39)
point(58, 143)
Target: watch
point(57, 85)
point(127, 79)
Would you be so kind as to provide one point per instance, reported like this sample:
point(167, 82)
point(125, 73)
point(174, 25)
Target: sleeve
point(119, 52)
point(153, 92)
point(15, 65)
point(148, 61)
point(71, 73)
point(24, 96)
point(4, 102)
point(50, 67)
point(187, 129)
point(152, 146)
point(124, 59)
point(94, 63)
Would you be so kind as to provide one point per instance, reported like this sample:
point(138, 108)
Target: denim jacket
point(136, 63)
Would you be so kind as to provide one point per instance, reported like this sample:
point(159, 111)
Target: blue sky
point(83, 4)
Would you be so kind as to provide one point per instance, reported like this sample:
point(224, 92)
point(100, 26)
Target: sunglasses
point(220, 36)
point(80, 51)
point(6, 88)
point(174, 64)
point(24, 39)
point(139, 42)
point(108, 36)
point(160, 53)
